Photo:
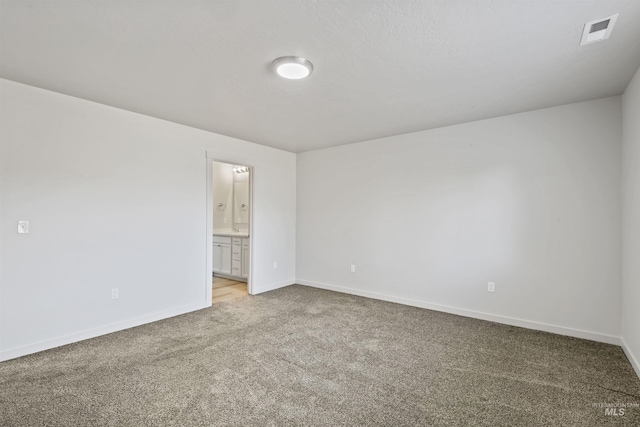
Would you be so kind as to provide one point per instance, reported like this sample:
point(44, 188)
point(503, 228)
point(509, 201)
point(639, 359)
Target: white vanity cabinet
point(222, 255)
point(245, 257)
point(231, 256)
point(236, 257)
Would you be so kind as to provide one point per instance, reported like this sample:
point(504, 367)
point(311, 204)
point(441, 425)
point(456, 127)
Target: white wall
point(222, 193)
point(631, 221)
point(530, 201)
point(116, 199)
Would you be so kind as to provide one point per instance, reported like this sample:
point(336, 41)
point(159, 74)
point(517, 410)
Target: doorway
point(229, 229)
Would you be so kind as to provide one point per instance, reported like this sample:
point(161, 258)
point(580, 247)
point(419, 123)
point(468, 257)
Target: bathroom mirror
point(241, 202)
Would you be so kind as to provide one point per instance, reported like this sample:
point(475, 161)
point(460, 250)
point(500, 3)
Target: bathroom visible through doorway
point(231, 234)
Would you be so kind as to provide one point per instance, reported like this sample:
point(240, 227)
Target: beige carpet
point(302, 356)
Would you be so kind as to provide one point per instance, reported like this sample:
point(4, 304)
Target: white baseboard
point(561, 330)
point(632, 358)
point(12, 353)
point(228, 276)
point(272, 286)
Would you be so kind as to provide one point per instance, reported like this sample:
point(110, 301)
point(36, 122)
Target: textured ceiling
point(381, 67)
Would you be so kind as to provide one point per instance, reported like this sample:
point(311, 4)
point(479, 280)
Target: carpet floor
point(304, 356)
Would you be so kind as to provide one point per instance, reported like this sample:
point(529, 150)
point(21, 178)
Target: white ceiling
point(381, 67)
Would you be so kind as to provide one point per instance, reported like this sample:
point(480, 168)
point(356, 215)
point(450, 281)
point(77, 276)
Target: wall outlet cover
point(23, 227)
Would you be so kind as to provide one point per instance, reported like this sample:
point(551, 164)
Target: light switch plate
point(23, 227)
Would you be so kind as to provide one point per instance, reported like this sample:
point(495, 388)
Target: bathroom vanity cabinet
point(222, 255)
point(231, 256)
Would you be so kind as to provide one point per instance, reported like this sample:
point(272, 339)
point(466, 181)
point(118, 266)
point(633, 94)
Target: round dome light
point(292, 67)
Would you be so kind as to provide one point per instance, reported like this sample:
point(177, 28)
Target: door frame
point(210, 157)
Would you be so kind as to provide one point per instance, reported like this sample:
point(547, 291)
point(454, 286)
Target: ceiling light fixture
point(241, 169)
point(292, 67)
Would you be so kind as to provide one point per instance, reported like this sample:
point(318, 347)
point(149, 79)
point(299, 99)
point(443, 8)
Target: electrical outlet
point(23, 227)
point(275, 265)
point(115, 293)
point(491, 287)
point(353, 268)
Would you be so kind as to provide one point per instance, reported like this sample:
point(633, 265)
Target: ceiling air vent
point(598, 30)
